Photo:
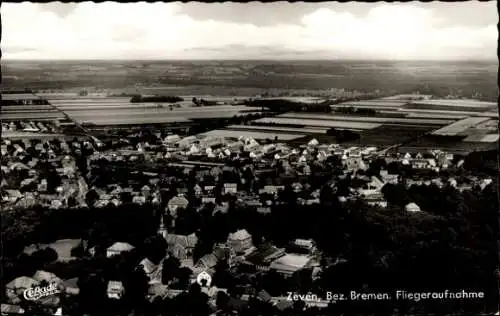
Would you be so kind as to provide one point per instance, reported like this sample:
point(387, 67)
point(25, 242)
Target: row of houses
point(26, 168)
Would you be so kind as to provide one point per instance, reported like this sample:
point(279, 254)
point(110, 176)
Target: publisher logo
point(38, 292)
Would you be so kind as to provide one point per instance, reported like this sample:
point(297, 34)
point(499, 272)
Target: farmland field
point(16, 96)
point(118, 111)
point(457, 103)
point(450, 111)
point(405, 97)
point(453, 146)
point(377, 103)
point(93, 101)
point(489, 138)
point(372, 107)
point(368, 119)
point(277, 129)
point(30, 135)
point(318, 123)
point(436, 116)
point(63, 95)
point(136, 120)
point(422, 114)
point(301, 99)
point(255, 135)
point(10, 111)
point(444, 107)
point(460, 126)
point(31, 116)
point(387, 135)
point(26, 108)
point(191, 113)
point(304, 81)
point(103, 106)
point(126, 100)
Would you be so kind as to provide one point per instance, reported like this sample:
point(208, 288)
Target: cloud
point(17, 49)
point(255, 52)
point(160, 30)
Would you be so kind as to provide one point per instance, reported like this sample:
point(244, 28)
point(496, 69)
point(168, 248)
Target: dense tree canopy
point(169, 99)
point(451, 244)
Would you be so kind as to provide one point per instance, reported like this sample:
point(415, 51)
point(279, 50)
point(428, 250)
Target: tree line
point(149, 99)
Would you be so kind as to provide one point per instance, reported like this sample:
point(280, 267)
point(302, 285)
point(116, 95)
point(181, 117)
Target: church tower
point(162, 230)
point(231, 257)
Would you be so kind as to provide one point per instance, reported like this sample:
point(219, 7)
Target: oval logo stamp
point(37, 292)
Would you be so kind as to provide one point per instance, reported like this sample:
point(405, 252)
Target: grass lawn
point(62, 247)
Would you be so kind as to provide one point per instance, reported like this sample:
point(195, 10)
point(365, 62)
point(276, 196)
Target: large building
point(240, 241)
point(290, 263)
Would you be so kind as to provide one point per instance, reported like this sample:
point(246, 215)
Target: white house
point(307, 244)
point(354, 163)
point(187, 141)
point(240, 241)
point(153, 271)
point(313, 142)
point(412, 207)
point(230, 188)
point(290, 263)
point(115, 290)
point(171, 139)
point(176, 203)
point(139, 199)
point(117, 248)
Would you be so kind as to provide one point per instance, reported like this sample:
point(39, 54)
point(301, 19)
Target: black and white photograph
point(250, 159)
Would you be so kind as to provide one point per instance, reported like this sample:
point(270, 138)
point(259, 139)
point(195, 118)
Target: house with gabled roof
point(16, 287)
point(221, 208)
point(176, 203)
point(117, 248)
point(157, 290)
point(263, 209)
point(146, 191)
point(49, 277)
point(12, 195)
point(264, 255)
point(230, 188)
point(290, 263)
point(240, 241)
point(186, 241)
point(208, 199)
point(209, 189)
point(181, 246)
point(198, 191)
point(71, 286)
point(9, 309)
point(412, 207)
point(139, 199)
point(179, 252)
point(206, 264)
point(115, 290)
point(264, 296)
point(306, 244)
point(153, 271)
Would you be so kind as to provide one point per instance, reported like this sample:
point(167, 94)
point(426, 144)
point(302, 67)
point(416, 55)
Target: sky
point(279, 30)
